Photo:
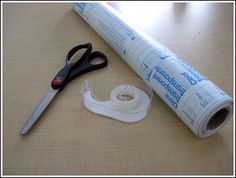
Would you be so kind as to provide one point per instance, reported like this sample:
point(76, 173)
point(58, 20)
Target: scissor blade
point(38, 110)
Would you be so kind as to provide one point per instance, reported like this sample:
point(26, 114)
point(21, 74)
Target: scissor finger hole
point(96, 61)
point(77, 55)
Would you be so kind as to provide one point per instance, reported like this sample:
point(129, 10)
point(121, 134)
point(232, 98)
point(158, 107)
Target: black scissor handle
point(93, 56)
point(87, 65)
point(83, 65)
point(61, 78)
point(87, 46)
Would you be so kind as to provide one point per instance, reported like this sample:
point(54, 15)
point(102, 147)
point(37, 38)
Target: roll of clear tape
point(200, 104)
point(121, 94)
point(127, 103)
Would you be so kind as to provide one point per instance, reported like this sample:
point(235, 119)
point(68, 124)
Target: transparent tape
point(125, 99)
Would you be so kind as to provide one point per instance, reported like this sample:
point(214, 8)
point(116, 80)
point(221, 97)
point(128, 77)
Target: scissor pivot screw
point(56, 83)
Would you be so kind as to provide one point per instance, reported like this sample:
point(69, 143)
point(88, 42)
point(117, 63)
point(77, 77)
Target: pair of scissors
point(70, 71)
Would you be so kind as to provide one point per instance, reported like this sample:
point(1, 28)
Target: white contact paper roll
point(201, 105)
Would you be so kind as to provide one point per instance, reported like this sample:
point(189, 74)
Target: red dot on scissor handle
point(56, 83)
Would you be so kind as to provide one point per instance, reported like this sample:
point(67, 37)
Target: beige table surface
point(69, 139)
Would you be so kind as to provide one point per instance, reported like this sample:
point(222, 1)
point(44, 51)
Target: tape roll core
point(125, 97)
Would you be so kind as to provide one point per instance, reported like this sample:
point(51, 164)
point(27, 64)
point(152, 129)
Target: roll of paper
point(200, 104)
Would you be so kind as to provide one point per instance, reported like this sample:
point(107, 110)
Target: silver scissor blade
point(38, 110)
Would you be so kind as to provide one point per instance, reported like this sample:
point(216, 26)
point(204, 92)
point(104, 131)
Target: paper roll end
point(218, 118)
point(221, 114)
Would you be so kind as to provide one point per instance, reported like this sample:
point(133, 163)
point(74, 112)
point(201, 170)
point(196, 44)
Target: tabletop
point(69, 139)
